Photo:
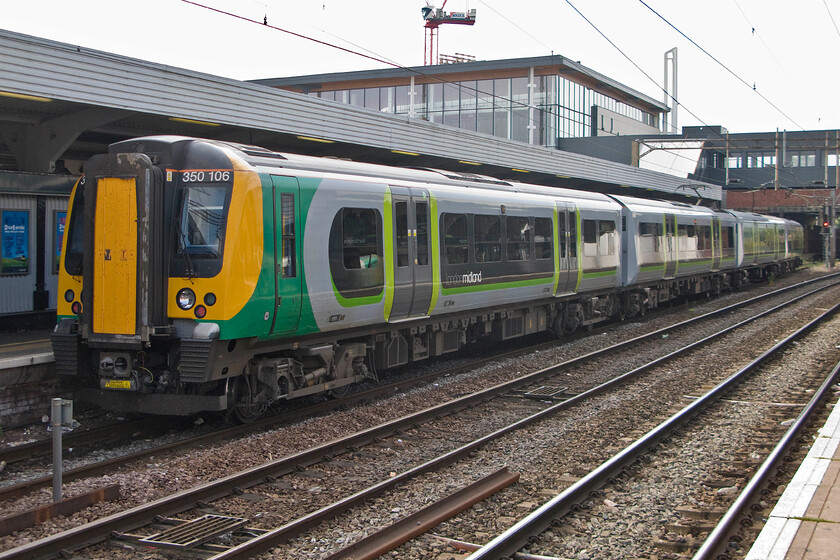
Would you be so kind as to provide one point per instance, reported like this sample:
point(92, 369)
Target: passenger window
point(542, 238)
point(401, 211)
point(455, 243)
point(518, 238)
point(561, 233)
point(590, 231)
point(651, 237)
point(727, 235)
point(288, 258)
point(590, 238)
point(422, 233)
point(355, 251)
point(488, 238)
point(704, 239)
point(359, 239)
point(682, 238)
point(606, 238)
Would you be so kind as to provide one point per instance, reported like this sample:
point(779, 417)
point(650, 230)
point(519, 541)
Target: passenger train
point(199, 275)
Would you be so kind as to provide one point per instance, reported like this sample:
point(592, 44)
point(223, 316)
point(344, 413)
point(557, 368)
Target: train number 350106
point(206, 176)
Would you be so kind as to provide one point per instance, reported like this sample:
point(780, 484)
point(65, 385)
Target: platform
point(805, 524)
point(22, 350)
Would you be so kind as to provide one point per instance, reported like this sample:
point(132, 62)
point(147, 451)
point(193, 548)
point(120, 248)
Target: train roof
point(753, 217)
point(661, 206)
point(262, 158)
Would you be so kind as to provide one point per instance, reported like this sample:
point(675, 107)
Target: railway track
point(529, 412)
point(720, 526)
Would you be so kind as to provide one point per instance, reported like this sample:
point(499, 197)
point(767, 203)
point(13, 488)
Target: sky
point(768, 64)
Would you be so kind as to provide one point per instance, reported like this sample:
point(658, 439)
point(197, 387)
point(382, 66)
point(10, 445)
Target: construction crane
point(434, 18)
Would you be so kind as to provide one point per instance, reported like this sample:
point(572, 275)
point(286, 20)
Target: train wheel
point(340, 392)
point(244, 408)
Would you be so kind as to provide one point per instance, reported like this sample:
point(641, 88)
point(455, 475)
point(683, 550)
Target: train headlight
point(185, 298)
point(69, 296)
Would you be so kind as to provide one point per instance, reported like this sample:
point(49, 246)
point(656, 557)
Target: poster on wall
point(15, 242)
point(58, 239)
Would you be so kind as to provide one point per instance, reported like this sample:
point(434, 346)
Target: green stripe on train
point(498, 286)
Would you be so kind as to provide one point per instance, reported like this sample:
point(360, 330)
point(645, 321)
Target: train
point(200, 275)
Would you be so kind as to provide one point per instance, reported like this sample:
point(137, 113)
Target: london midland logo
point(468, 278)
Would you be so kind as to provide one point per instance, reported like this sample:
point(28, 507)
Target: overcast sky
point(787, 50)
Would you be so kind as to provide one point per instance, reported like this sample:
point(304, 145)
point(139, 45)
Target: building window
point(402, 101)
point(386, 99)
point(372, 99)
point(734, 162)
point(803, 159)
point(357, 97)
point(761, 159)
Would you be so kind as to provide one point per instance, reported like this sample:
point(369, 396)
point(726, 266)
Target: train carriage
point(200, 275)
point(765, 245)
point(673, 241)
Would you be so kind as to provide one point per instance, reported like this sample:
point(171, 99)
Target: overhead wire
point(721, 64)
point(755, 33)
point(504, 17)
point(830, 15)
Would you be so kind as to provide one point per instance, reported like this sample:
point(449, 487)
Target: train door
point(115, 256)
point(717, 248)
point(287, 240)
point(124, 292)
point(411, 255)
point(671, 246)
point(566, 251)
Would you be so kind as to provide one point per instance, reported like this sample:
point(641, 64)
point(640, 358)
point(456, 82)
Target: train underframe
point(192, 374)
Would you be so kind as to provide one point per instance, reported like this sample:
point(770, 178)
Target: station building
point(60, 104)
point(533, 100)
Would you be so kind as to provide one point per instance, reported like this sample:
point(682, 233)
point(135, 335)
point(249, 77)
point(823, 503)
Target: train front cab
point(147, 289)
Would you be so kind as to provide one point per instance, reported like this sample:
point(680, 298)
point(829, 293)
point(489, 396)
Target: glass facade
point(561, 108)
